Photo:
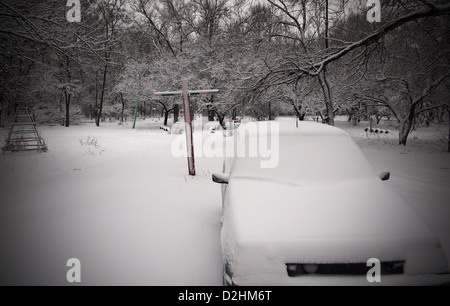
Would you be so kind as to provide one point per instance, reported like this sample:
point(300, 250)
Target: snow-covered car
point(321, 217)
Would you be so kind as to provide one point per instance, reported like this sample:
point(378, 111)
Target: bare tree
point(314, 62)
point(308, 24)
point(111, 14)
point(409, 79)
point(41, 36)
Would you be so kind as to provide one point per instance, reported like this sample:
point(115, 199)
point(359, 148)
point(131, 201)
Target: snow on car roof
point(309, 154)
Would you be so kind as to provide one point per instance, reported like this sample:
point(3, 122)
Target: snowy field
point(116, 199)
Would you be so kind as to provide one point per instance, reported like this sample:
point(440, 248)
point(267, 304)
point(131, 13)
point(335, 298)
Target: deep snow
point(128, 210)
point(420, 172)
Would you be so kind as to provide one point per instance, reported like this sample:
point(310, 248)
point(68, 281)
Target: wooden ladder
point(24, 135)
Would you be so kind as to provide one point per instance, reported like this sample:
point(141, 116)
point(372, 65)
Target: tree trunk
point(298, 111)
point(91, 111)
point(210, 113)
point(176, 113)
point(122, 101)
point(405, 129)
point(67, 96)
point(328, 97)
point(96, 94)
point(210, 109)
point(67, 121)
point(329, 104)
point(379, 119)
point(406, 125)
point(270, 110)
point(323, 78)
point(166, 117)
point(102, 94)
point(67, 93)
point(144, 110)
point(221, 119)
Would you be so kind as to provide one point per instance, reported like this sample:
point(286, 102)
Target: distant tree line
point(314, 58)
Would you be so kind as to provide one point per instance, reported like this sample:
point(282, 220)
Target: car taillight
point(387, 268)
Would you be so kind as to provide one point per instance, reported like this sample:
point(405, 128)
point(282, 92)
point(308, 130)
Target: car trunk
point(335, 223)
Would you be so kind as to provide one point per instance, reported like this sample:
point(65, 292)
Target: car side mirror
point(384, 176)
point(220, 178)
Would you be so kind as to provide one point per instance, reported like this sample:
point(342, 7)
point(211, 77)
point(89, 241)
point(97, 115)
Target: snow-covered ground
point(116, 199)
point(420, 172)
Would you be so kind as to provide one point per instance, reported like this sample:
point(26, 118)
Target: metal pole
point(188, 127)
point(135, 114)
